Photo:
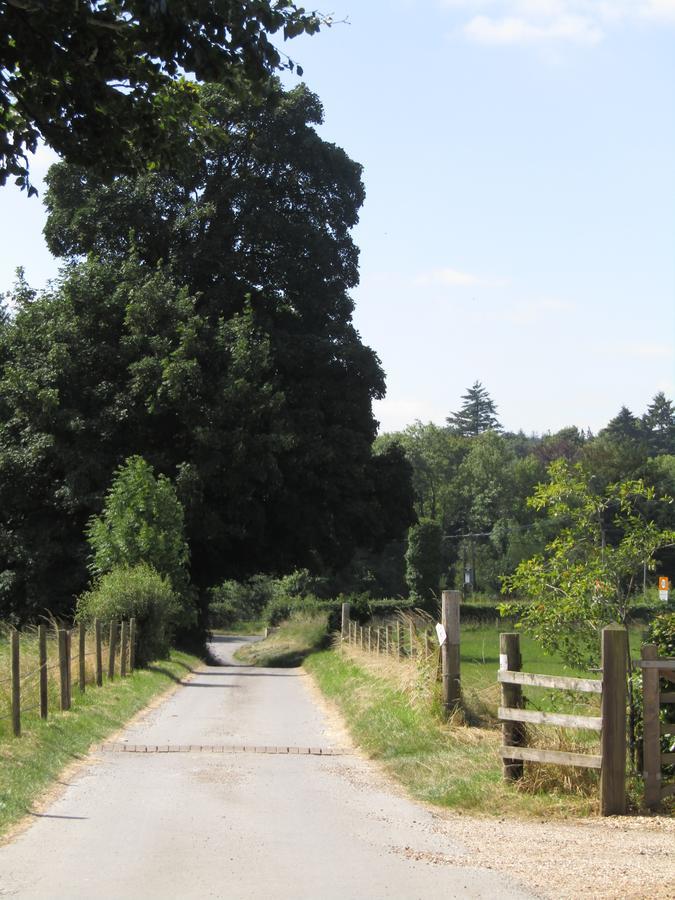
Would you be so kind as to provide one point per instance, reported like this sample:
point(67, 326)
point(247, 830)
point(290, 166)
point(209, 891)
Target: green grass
point(450, 765)
point(30, 763)
point(290, 643)
point(250, 626)
point(393, 710)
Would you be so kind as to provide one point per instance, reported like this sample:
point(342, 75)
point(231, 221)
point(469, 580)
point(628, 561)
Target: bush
point(142, 522)
point(423, 563)
point(281, 608)
point(661, 632)
point(141, 593)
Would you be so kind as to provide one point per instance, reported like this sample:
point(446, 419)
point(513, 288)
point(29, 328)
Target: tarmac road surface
point(235, 787)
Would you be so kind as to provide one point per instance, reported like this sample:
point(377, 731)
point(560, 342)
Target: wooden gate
point(653, 670)
point(611, 724)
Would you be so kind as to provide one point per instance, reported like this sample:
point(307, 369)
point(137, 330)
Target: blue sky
point(519, 226)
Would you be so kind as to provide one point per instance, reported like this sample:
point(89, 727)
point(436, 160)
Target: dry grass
point(393, 702)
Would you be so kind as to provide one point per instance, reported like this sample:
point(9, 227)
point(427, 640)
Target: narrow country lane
point(221, 798)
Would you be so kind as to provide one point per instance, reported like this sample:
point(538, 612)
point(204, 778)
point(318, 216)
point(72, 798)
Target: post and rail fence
point(18, 681)
point(611, 723)
point(610, 689)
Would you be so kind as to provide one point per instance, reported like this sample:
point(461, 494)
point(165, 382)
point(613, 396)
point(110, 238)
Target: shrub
point(661, 632)
point(281, 608)
point(142, 522)
point(141, 593)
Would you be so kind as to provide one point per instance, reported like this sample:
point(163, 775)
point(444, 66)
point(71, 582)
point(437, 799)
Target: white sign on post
point(664, 584)
point(441, 634)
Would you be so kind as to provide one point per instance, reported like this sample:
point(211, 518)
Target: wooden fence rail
point(64, 645)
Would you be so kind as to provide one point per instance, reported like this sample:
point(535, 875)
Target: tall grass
point(290, 643)
point(393, 703)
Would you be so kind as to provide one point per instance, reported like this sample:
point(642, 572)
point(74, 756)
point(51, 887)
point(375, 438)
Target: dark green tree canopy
point(103, 81)
point(477, 414)
point(624, 426)
point(204, 322)
point(659, 423)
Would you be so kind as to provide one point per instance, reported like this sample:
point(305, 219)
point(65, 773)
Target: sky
point(519, 224)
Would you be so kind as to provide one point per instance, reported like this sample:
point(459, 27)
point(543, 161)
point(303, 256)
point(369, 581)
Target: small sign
point(664, 585)
point(441, 634)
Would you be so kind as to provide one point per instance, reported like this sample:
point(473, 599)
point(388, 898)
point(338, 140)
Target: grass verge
point(289, 644)
point(394, 717)
point(29, 764)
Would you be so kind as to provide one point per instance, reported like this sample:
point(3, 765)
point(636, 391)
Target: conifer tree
point(478, 413)
point(659, 423)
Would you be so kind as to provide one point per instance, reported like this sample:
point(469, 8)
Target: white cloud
point(575, 29)
point(659, 10)
point(553, 22)
point(527, 312)
point(446, 277)
point(639, 350)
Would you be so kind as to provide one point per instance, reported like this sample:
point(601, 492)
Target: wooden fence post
point(132, 644)
point(370, 639)
point(69, 667)
point(513, 733)
point(82, 647)
point(124, 648)
point(651, 740)
point(411, 637)
point(63, 667)
point(450, 650)
point(387, 629)
point(613, 740)
point(16, 682)
point(112, 647)
point(399, 642)
point(345, 621)
point(99, 653)
point(43, 681)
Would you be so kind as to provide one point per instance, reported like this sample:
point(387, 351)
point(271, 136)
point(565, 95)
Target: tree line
point(472, 481)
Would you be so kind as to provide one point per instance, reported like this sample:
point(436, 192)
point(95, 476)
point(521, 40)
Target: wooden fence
point(122, 634)
point(611, 723)
point(654, 670)
point(409, 641)
point(401, 640)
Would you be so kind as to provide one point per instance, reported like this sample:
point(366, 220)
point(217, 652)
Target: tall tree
point(477, 414)
point(209, 330)
point(624, 426)
point(103, 81)
point(659, 424)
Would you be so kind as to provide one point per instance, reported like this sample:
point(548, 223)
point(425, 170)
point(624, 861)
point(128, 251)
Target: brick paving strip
point(217, 748)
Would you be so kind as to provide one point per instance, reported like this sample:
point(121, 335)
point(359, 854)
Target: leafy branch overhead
point(105, 82)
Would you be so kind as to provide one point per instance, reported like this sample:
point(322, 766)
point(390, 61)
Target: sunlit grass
point(290, 643)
